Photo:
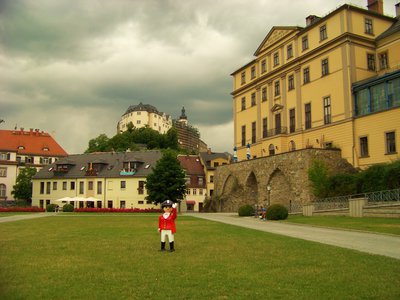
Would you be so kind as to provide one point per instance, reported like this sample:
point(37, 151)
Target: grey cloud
point(84, 62)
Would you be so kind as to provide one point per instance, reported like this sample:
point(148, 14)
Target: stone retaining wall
point(286, 174)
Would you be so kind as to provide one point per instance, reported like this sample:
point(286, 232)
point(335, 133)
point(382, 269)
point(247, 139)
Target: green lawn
point(380, 225)
point(117, 257)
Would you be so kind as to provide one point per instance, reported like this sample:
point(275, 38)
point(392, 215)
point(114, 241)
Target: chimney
point(311, 19)
point(397, 7)
point(375, 6)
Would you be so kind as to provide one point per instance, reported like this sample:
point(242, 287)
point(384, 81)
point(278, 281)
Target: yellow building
point(102, 180)
point(210, 161)
point(334, 83)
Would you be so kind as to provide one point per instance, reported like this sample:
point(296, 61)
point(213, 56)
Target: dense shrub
point(68, 208)
point(246, 210)
point(21, 209)
point(341, 184)
point(392, 175)
point(372, 179)
point(318, 175)
point(277, 212)
point(51, 207)
point(378, 177)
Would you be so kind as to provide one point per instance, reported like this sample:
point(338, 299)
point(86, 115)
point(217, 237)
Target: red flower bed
point(118, 210)
point(21, 209)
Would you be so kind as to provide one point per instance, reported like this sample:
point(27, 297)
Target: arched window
point(3, 190)
point(271, 149)
point(292, 146)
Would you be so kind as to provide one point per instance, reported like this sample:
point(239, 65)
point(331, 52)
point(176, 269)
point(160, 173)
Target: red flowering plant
point(118, 210)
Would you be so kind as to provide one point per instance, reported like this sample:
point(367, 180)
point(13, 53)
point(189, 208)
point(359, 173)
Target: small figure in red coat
point(166, 224)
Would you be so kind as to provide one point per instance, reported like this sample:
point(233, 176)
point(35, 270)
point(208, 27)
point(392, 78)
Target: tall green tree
point(167, 180)
point(22, 190)
point(99, 144)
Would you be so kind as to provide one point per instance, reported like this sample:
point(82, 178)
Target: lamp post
point(269, 194)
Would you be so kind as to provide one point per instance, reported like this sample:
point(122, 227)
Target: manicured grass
point(381, 225)
point(117, 257)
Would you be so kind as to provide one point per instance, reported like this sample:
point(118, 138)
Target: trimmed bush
point(277, 212)
point(51, 207)
point(68, 208)
point(246, 210)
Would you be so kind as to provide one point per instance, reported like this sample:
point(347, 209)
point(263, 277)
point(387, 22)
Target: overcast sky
point(72, 68)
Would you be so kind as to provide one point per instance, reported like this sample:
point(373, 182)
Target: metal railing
point(276, 131)
point(343, 201)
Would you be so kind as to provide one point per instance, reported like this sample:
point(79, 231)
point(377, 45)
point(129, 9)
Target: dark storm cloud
point(72, 68)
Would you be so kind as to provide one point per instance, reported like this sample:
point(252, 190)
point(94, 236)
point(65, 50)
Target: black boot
point(171, 247)
point(162, 246)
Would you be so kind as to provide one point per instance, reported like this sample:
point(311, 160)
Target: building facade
point(210, 161)
point(188, 136)
point(332, 84)
point(102, 180)
point(20, 149)
point(195, 182)
point(143, 115)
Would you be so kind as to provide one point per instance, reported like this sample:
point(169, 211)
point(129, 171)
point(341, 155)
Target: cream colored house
point(20, 149)
point(334, 83)
point(103, 180)
point(143, 115)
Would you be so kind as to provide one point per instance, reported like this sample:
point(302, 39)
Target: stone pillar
point(308, 210)
point(356, 207)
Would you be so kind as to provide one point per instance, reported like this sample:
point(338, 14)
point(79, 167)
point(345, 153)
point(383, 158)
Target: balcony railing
point(92, 172)
point(127, 172)
point(276, 131)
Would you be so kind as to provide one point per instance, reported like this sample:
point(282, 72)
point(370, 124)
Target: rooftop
point(33, 142)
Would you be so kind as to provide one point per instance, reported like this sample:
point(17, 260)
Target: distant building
point(195, 182)
point(142, 115)
point(20, 149)
point(333, 84)
point(188, 136)
point(210, 161)
point(102, 180)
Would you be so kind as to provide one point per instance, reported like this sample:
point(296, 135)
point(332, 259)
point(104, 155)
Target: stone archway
point(251, 188)
point(280, 190)
point(230, 185)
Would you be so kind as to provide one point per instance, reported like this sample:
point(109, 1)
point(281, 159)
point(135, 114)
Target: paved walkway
point(25, 217)
point(381, 244)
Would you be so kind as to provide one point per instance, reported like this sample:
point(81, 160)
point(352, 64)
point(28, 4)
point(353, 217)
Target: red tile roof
point(33, 142)
point(192, 164)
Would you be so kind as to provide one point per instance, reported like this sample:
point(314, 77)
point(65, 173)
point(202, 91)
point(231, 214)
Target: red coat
point(168, 223)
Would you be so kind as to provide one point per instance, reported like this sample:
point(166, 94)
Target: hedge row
point(21, 209)
point(118, 210)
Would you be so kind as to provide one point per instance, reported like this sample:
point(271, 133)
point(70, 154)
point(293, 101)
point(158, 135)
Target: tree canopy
point(167, 180)
point(133, 138)
point(22, 190)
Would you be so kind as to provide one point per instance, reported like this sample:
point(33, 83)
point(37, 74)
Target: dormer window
point(21, 148)
point(62, 168)
point(45, 149)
